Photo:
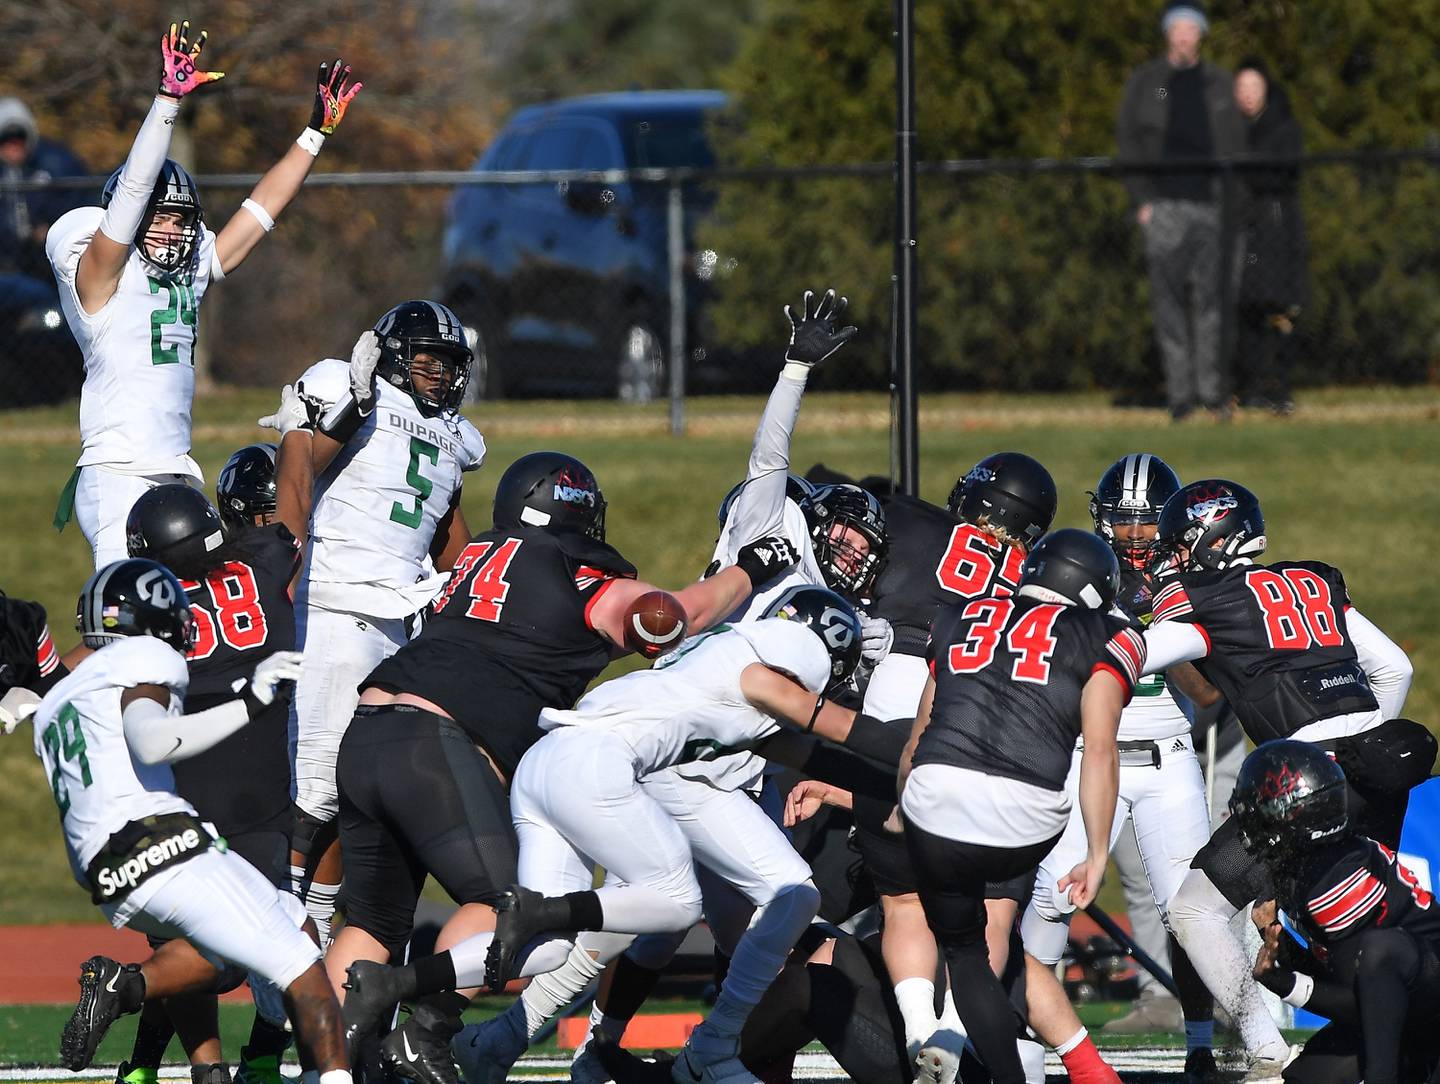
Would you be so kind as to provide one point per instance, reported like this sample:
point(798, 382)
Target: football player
point(106, 736)
point(578, 800)
point(838, 533)
point(132, 274)
point(1294, 659)
point(372, 458)
point(1017, 679)
point(533, 612)
point(1161, 787)
point(1372, 961)
point(235, 571)
point(972, 548)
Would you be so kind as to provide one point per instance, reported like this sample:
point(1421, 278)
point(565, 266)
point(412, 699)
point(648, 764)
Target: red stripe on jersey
point(1209, 647)
point(1171, 602)
point(1129, 648)
point(46, 657)
point(1347, 905)
point(1128, 686)
point(596, 598)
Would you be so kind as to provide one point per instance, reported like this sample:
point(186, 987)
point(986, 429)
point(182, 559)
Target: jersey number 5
point(1297, 607)
point(1031, 641)
point(419, 449)
point(489, 587)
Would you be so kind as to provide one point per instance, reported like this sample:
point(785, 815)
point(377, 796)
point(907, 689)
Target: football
point(654, 624)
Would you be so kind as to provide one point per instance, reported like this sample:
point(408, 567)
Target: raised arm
point(257, 215)
point(101, 264)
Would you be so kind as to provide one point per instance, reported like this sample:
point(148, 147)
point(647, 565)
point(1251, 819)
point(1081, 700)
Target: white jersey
point(139, 352)
point(689, 707)
point(377, 505)
point(80, 739)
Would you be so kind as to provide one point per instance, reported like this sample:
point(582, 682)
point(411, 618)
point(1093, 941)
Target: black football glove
point(765, 558)
point(816, 333)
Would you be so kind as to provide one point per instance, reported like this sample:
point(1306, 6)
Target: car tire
point(642, 374)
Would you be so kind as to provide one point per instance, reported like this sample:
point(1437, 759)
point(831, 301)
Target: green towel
point(66, 507)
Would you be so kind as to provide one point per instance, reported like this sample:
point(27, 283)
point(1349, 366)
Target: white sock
point(335, 1076)
point(950, 1017)
point(551, 992)
point(916, 999)
point(1032, 1060)
point(1072, 1042)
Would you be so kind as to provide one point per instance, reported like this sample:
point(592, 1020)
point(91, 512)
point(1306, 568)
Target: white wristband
point(1300, 994)
point(311, 141)
point(796, 370)
point(262, 216)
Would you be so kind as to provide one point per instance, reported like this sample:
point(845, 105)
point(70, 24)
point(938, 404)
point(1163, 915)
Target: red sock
point(1086, 1066)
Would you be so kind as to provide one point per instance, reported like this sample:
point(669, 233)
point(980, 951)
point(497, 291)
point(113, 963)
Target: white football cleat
point(939, 1059)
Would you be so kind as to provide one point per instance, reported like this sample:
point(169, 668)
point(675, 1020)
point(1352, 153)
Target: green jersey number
point(181, 310)
point(66, 741)
point(1150, 685)
point(423, 487)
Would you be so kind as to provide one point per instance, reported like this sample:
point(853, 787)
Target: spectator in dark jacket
point(1178, 107)
point(1273, 277)
point(26, 216)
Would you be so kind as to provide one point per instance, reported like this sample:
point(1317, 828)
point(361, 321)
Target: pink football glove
point(332, 96)
point(178, 76)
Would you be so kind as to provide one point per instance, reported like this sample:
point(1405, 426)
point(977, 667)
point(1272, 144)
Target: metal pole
point(902, 361)
point(675, 236)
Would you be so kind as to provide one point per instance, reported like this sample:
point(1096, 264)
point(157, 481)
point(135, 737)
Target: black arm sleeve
point(880, 742)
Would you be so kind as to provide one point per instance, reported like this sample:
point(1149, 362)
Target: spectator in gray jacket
point(25, 217)
point(1178, 107)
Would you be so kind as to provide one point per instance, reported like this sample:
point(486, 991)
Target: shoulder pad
point(144, 660)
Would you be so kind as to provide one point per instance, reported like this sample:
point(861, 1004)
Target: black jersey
point(243, 614)
point(935, 561)
point(27, 652)
point(1354, 885)
point(1279, 650)
point(1008, 677)
point(510, 634)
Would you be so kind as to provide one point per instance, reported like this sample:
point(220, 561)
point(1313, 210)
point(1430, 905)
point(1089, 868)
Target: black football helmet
point(177, 526)
point(425, 327)
point(551, 490)
point(1218, 522)
point(796, 488)
point(246, 489)
point(829, 617)
point(1010, 491)
point(134, 598)
point(1072, 567)
point(850, 506)
point(1132, 491)
point(1288, 796)
point(169, 255)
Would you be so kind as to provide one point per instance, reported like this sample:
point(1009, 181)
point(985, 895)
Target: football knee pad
point(309, 834)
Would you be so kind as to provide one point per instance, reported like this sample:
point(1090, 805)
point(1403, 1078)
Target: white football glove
point(876, 638)
point(273, 672)
point(291, 414)
point(15, 707)
point(363, 360)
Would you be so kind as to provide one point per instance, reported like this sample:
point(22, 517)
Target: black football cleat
point(419, 1049)
point(520, 917)
point(101, 1003)
point(372, 990)
point(1200, 1067)
point(625, 1067)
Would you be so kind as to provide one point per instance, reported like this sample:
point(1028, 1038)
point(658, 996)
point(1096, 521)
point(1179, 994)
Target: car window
point(671, 141)
point(509, 152)
point(597, 150)
point(553, 147)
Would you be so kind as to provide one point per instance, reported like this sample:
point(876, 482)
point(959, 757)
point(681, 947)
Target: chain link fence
point(654, 283)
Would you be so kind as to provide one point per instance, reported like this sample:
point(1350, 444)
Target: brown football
point(654, 624)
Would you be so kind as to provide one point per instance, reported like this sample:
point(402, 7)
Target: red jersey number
point(1297, 606)
point(489, 587)
point(1031, 642)
point(969, 564)
point(234, 615)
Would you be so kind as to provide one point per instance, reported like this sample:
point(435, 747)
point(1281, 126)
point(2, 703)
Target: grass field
point(1353, 478)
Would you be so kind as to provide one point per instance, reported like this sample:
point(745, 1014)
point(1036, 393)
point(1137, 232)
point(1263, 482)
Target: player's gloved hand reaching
point(178, 74)
point(876, 638)
point(815, 334)
point(363, 360)
point(765, 558)
point(333, 94)
point(272, 673)
point(15, 707)
point(292, 413)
